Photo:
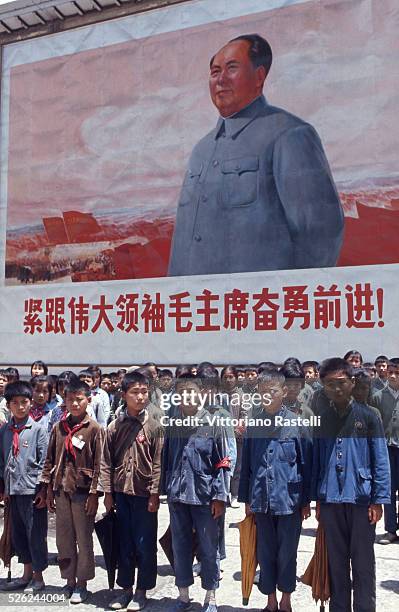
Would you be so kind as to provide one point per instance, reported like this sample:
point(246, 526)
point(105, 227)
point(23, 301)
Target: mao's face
point(234, 82)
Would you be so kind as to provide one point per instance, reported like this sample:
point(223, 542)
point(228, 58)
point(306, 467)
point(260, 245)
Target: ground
point(229, 593)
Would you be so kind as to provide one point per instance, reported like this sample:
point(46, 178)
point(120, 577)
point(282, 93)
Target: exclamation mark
point(380, 306)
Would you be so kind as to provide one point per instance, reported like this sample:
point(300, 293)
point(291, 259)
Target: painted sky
point(112, 128)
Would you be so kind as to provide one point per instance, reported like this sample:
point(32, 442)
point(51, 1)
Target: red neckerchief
point(70, 432)
point(15, 437)
point(37, 412)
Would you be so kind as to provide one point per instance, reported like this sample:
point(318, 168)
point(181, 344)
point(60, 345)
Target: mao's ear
point(261, 75)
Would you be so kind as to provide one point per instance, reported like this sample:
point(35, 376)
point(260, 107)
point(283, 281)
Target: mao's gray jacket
point(258, 195)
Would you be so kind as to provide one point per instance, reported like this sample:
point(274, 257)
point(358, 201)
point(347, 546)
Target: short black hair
point(65, 378)
point(394, 362)
point(132, 378)
point(88, 372)
point(41, 379)
point(182, 370)
point(266, 376)
point(311, 364)
point(353, 353)
point(335, 364)
point(260, 51)
point(292, 370)
point(165, 372)
point(41, 364)
point(362, 376)
point(19, 388)
point(75, 386)
point(12, 373)
point(381, 359)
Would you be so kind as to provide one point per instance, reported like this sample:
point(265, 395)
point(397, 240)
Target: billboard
point(98, 127)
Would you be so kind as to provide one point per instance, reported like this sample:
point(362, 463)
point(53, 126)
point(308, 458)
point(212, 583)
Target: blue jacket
point(20, 474)
point(276, 466)
point(195, 466)
point(350, 459)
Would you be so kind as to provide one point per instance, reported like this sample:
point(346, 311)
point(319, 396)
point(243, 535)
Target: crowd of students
point(272, 436)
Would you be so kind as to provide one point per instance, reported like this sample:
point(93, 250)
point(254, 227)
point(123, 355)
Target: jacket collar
point(236, 123)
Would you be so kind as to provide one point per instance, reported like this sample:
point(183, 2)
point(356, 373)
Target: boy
point(96, 409)
point(381, 366)
point(387, 402)
point(23, 444)
point(295, 399)
point(311, 371)
point(70, 475)
point(130, 476)
point(196, 480)
point(275, 485)
point(350, 481)
point(41, 393)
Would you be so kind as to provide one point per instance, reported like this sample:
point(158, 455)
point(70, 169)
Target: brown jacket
point(131, 461)
point(74, 475)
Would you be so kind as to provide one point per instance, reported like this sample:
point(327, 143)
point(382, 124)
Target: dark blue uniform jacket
point(276, 467)
point(350, 460)
point(195, 467)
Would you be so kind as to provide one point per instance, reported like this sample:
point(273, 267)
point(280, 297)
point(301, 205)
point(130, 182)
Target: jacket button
point(215, 163)
point(339, 441)
point(204, 198)
point(270, 450)
point(197, 238)
point(339, 455)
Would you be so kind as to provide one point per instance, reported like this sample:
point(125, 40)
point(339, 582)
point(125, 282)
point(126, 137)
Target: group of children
point(63, 458)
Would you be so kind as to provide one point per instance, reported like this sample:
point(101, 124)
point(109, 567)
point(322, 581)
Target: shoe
point(121, 601)
point(67, 590)
point(15, 585)
point(209, 607)
point(234, 503)
point(197, 569)
point(35, 586)
point(138, 602)
point(181, 606)
point(79, 595)
point(388, 538)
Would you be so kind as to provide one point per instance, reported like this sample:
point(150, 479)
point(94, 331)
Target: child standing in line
point(350, 481)
point(275, 485)
point(130, 477)
point(23, 445)
point(70, 476)
point(41, 393)
point(196, 479)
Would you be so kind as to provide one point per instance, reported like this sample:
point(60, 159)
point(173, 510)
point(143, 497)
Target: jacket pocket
point(190, 182)
point(287, 451)
point(240, 181)
point(294, 489)
point(364, 484)
point(84, 477)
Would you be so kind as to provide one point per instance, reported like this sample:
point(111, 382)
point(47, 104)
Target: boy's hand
point(317, 511)
point(50, 500)
point(248, 510)
point(153, 503)
point(375, 513)
point(217, 508)
point(91, 505)
point(108, 502)
point(41, 499)
point(305, 512)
